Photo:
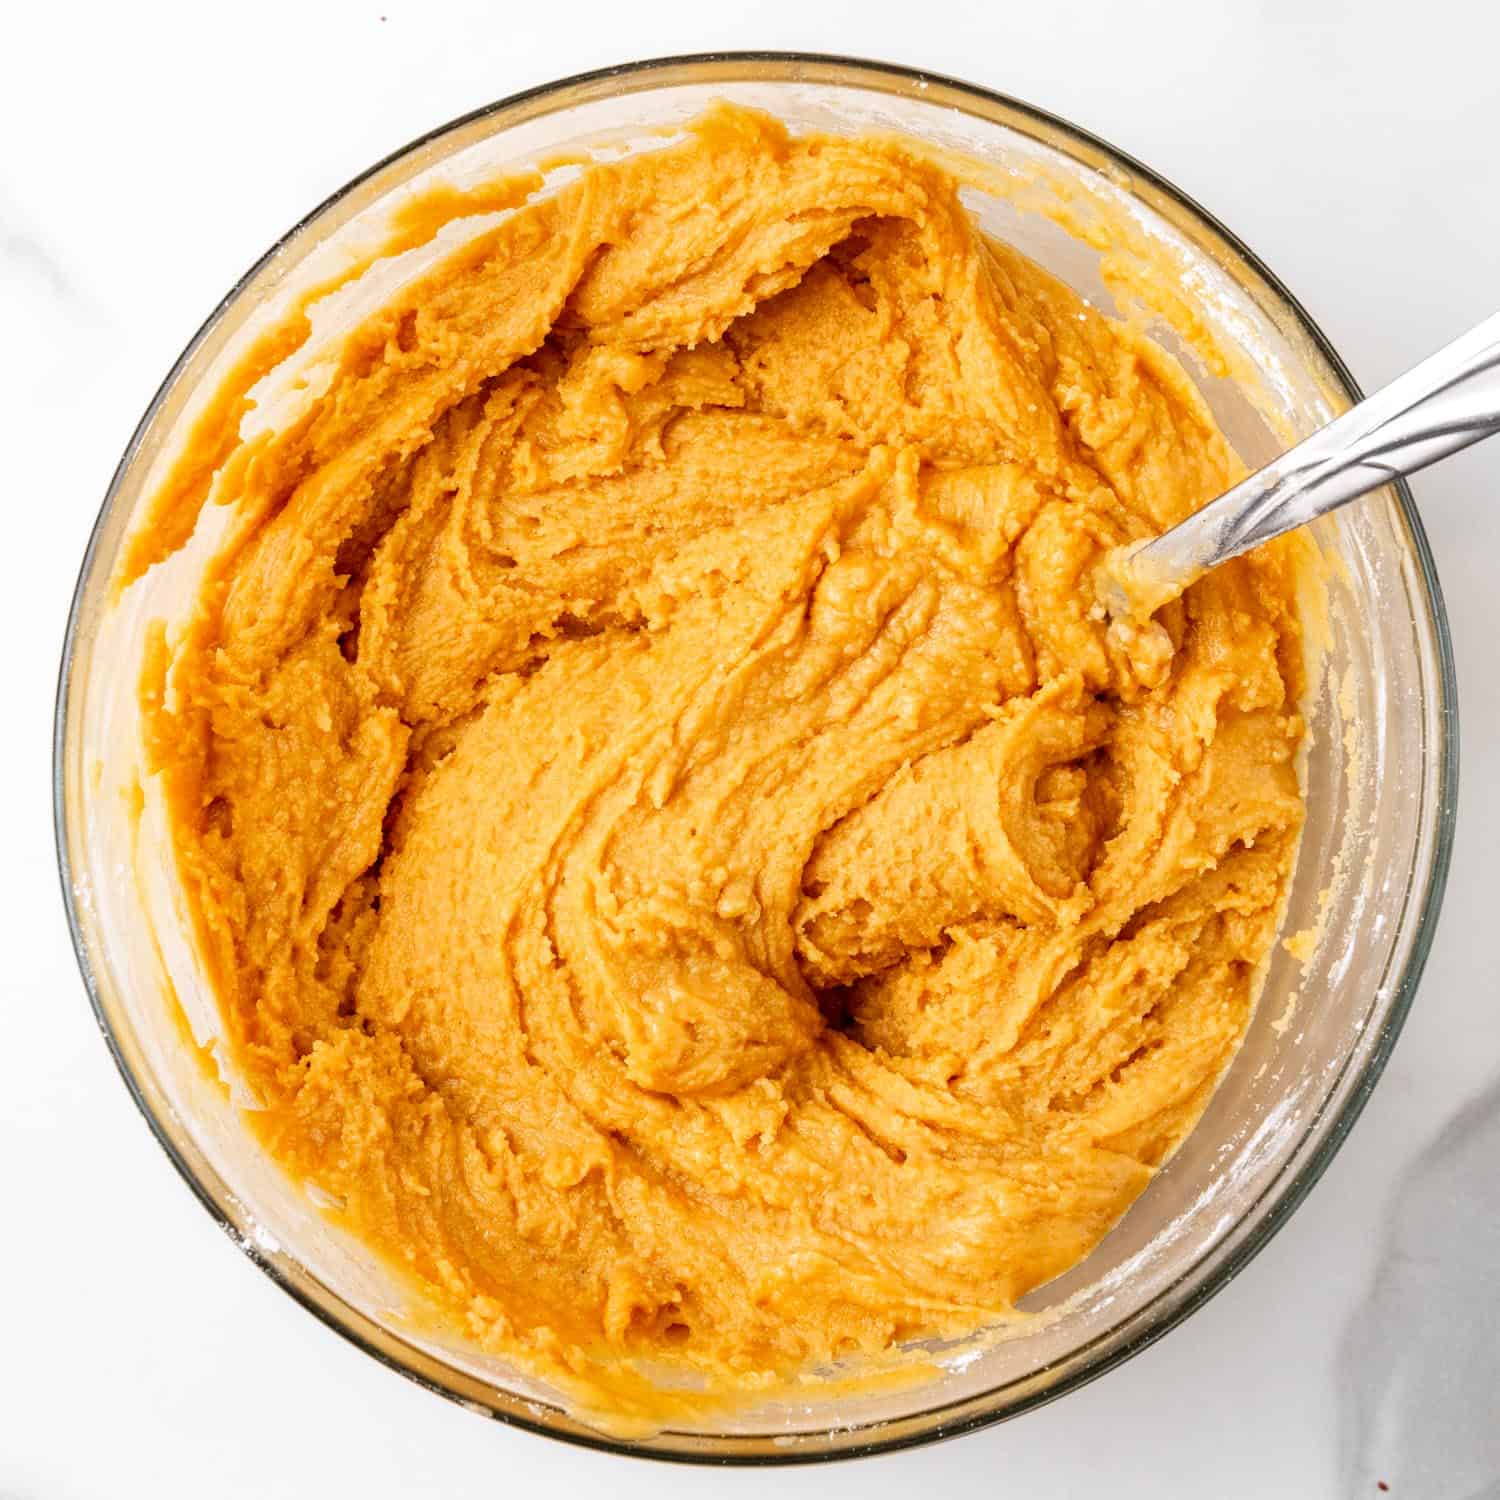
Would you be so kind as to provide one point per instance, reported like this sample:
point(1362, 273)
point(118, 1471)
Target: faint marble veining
point(1419, 1366)
point(24, 255)
point(35, 281)
point(52, 313)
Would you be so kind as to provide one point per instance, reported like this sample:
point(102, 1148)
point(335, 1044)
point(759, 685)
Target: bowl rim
point(1277, 1200)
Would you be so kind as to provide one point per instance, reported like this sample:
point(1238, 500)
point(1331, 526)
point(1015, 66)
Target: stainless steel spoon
point(1445, 403)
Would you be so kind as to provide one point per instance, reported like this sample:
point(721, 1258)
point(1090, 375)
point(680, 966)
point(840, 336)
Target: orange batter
point(678, 857)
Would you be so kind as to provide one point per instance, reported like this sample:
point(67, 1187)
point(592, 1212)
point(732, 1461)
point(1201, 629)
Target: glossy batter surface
point(680, 860)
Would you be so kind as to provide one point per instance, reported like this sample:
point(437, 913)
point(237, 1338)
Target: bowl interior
point(1378, 781)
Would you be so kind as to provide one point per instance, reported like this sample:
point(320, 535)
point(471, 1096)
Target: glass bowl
point(1380, 774)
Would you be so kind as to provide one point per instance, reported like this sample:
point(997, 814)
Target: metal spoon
point(1445, 403)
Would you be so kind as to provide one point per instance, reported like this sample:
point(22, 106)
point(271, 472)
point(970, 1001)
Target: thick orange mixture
point(680, 860)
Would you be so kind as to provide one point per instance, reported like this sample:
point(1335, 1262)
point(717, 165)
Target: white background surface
point(151, 152)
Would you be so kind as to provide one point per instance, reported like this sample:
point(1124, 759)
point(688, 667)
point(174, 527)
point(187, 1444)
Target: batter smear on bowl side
point(679, 859)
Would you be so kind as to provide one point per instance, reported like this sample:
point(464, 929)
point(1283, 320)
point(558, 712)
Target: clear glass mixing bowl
point(1381, 772)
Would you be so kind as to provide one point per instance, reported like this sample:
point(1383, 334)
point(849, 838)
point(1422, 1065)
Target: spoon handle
point(1445, 403)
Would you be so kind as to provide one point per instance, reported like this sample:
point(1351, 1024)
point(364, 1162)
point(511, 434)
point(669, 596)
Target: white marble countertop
point(152, 150)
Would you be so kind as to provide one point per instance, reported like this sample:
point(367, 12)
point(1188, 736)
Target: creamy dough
point(680, 859)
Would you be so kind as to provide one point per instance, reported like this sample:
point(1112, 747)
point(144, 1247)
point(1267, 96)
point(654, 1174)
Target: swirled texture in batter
point(679, 859)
